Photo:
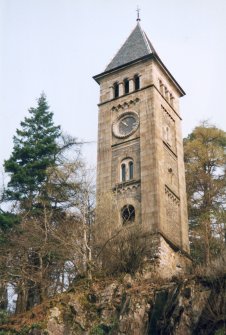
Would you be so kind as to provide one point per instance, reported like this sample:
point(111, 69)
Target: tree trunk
point(3, 296)
point(87, 257)
point(22, 294)
point(207, 241)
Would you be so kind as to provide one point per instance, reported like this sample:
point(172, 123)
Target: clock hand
point(123, 122)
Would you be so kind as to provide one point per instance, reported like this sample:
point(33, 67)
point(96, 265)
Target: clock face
point(126, 125)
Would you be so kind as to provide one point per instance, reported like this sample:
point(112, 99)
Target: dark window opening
point(171, 99)
point(126, 86)
point(128, 214)
point(168, 135)
point(130, 170)
point(137, 82)
point(123, 171)
point(116, 90)
point(161, 86)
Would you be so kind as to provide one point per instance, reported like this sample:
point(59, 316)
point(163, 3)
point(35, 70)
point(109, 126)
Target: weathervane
point(138, 13)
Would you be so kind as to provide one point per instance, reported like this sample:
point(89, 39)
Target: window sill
point(126, 183)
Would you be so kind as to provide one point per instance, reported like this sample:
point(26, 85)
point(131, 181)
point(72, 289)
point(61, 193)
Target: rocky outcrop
point(129, 306)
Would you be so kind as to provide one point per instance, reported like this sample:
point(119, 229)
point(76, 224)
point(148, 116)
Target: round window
point(128, 214)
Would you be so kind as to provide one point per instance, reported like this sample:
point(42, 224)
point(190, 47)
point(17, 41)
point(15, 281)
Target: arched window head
point(128, 214)
point(116, 90)
point(126, 86)
point(123, 172)
point(131, 170)
point(126, 170)
point(137, 82)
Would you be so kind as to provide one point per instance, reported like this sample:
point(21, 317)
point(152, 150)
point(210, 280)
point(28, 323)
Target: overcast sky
point(56, 46)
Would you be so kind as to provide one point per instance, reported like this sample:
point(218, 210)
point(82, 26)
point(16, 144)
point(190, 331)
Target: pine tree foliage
point(7, 221)
point(35, 149)
point(42, 254)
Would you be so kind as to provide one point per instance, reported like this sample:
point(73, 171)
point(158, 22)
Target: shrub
point(3, 316)
point(126, 252)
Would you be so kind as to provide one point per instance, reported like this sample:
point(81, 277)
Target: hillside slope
point(129, 306)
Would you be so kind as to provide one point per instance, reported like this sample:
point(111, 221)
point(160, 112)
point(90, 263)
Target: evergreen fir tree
point(35, 149)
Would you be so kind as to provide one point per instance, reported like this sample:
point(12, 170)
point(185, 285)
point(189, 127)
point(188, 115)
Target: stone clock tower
point(140, 150)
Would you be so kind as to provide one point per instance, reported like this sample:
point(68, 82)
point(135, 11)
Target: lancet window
point(137, 82)
point(126, 86)
point(127, 170)
point(116, 90)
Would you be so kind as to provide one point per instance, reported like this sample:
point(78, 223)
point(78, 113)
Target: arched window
point(161, 86)
point(137, 82)
point(123, 172)
point(126, 86)
point(166, 93)
point(168, 135)
point(116, 90)
point(171, 99)
point(131, 170)
point(128, 214)
point(126, 170)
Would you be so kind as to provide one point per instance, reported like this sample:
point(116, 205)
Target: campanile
point(140, 148)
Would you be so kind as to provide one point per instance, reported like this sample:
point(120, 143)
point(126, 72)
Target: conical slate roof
point(136, 46)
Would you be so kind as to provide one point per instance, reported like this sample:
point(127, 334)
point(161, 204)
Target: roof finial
point(138, 14)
